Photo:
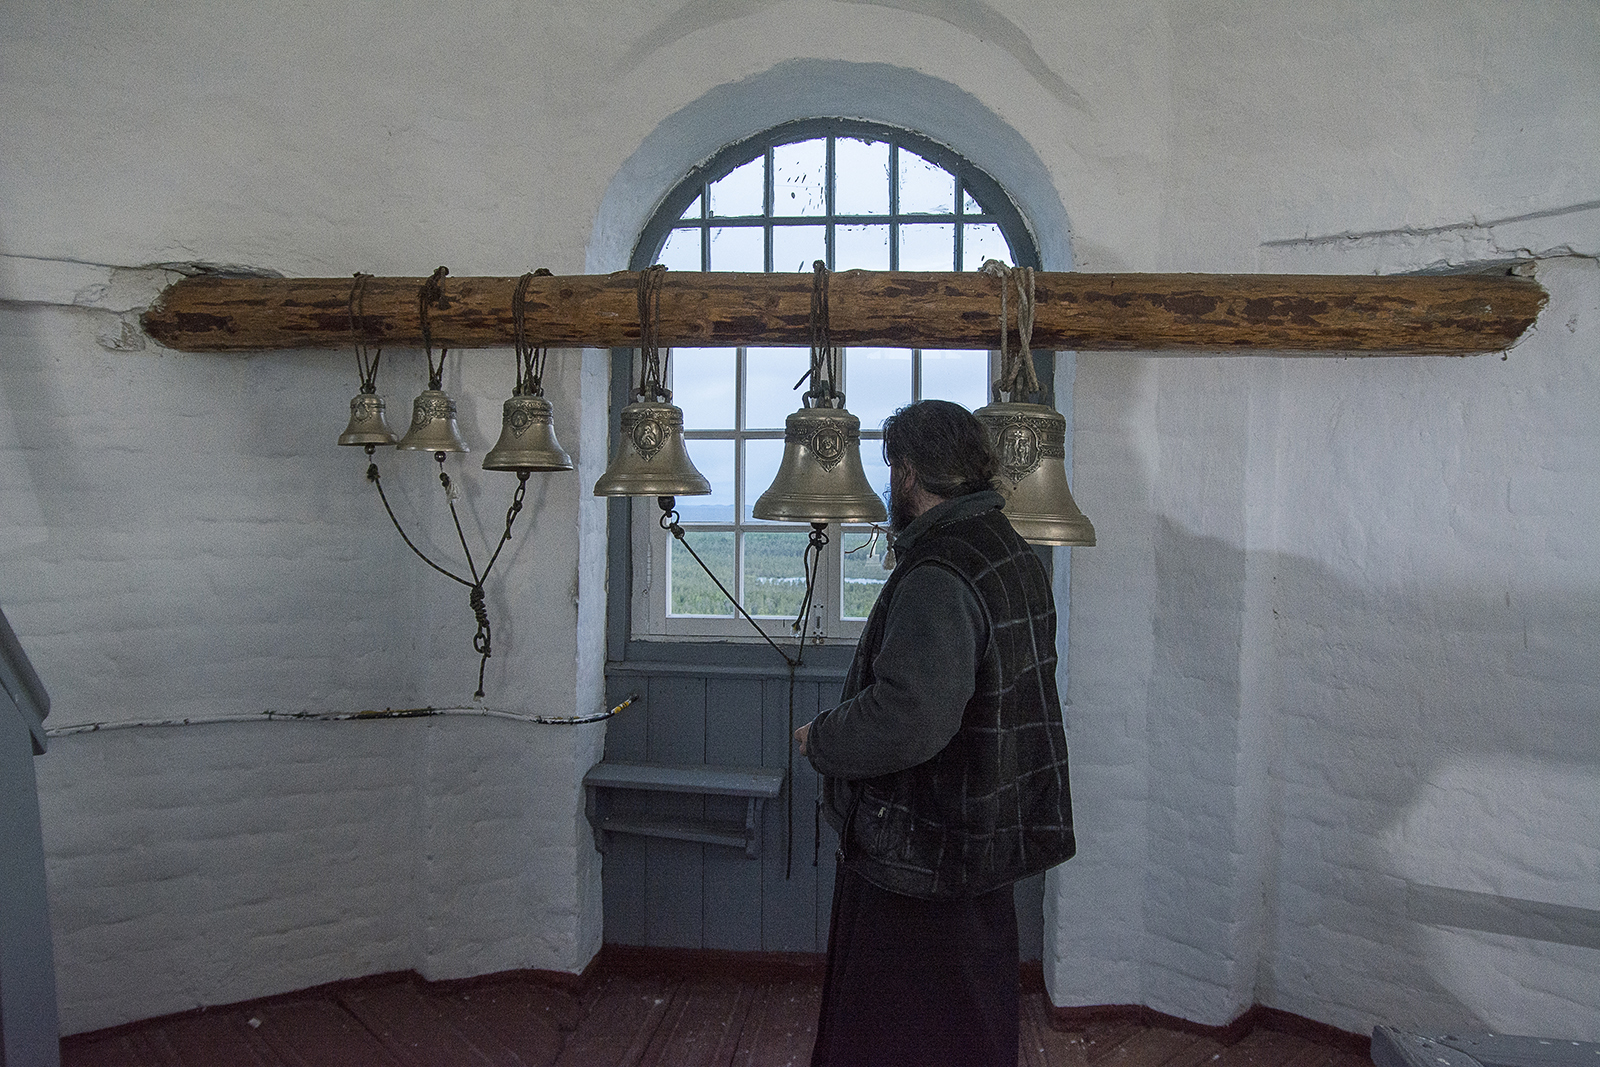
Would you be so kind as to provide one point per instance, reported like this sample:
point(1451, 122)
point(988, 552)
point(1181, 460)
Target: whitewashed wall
point(1332, 693)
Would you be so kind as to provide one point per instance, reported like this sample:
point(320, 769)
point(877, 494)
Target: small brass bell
point(820, 478)
point(433, 425)
point(527, 438)
point(1031, 441)
point(651, 459)
point(367, 425)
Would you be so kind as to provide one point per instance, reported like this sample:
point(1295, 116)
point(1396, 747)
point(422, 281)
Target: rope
point(824, 370)
point(1017, 373)
point(530, 359)
point(653, 366)
point(432, 292)
point(365, 367)
point(669, 522)
point(818, 541)
point(376, 480)
point(476, 598)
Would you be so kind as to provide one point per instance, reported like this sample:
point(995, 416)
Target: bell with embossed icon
point(820, 478)
point(1031, 442)
point(651, 459)
point(527, 438)
point(367, 426)
point(433, 425)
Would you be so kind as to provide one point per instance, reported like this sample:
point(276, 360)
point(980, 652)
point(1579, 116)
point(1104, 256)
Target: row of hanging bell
point(527, 435)
point(820, 478)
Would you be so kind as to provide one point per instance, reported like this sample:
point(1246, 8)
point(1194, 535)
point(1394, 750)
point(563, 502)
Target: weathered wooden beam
point(1450, 314)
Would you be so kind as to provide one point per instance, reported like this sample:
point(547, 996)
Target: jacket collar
point(952, 510)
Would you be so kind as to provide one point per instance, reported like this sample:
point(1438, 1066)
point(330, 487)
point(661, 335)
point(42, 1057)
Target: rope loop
point(530, 359)
point(432, 293)
point(824, 371)
point(1017, 373)
point(366, 367)
point(653, 365)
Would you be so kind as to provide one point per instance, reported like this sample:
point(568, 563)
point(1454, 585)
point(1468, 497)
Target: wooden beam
point(1218, 313)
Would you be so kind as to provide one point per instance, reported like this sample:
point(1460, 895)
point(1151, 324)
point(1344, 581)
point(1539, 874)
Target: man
point(945, 767)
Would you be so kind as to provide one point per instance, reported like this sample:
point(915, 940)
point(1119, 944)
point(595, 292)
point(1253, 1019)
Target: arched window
point(855, 195)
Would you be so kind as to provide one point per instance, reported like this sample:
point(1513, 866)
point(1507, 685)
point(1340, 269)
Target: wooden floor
point(618, 1020)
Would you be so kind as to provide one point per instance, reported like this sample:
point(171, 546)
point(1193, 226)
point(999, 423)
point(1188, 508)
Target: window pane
point(774, 574)
point(703, 386)
point(959, 376)
point(981, 241)
point(769, 392)
point(876, 382)
point(738, 248)
point(877, 470)
point(928, 246)
point(861, 177)
point(861, 248)
point(714, 459)
point(970, 206)
point(798, 175)
point(796, 248)
point(693, 210)
point(863, 575)
point(742, 191)
point(689, 590)
point(761, 460)
point(925, 189)
point(682, 250)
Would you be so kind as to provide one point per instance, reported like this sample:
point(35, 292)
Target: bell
point(1031, 440)
point(527, 438)
point(820, 478)
point(367, 425)
point(651, 459)
point(433, 425)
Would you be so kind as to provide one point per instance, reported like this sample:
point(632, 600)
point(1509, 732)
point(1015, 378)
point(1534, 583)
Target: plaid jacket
point(994, 805)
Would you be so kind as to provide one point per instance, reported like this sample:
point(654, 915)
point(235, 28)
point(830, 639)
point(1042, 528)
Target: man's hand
point(800, 737)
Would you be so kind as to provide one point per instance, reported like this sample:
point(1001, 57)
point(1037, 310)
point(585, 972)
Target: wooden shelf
point(755, 784)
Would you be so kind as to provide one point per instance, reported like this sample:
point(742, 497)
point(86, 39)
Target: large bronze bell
point(527, 438)
point(433, 425)
point(820, 478)
point(651, 459)
point(1031, 440)
point(367, 426)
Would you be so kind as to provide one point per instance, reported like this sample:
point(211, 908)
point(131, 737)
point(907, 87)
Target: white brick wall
point(213, 863)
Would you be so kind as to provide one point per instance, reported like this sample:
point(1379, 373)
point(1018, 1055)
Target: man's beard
point(900, 513)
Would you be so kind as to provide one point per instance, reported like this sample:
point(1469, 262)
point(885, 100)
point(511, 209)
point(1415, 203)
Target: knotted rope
point(1017, 374)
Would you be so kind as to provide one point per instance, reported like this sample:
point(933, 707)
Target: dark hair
point(945, 445)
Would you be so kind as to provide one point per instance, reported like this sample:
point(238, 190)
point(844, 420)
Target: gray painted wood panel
point(678, 894)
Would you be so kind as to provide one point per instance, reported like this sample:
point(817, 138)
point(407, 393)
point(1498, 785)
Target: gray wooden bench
point(755, 784)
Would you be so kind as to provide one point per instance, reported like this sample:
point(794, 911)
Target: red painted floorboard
point(635, 1019)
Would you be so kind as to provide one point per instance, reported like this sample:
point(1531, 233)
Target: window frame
point(637, 564)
